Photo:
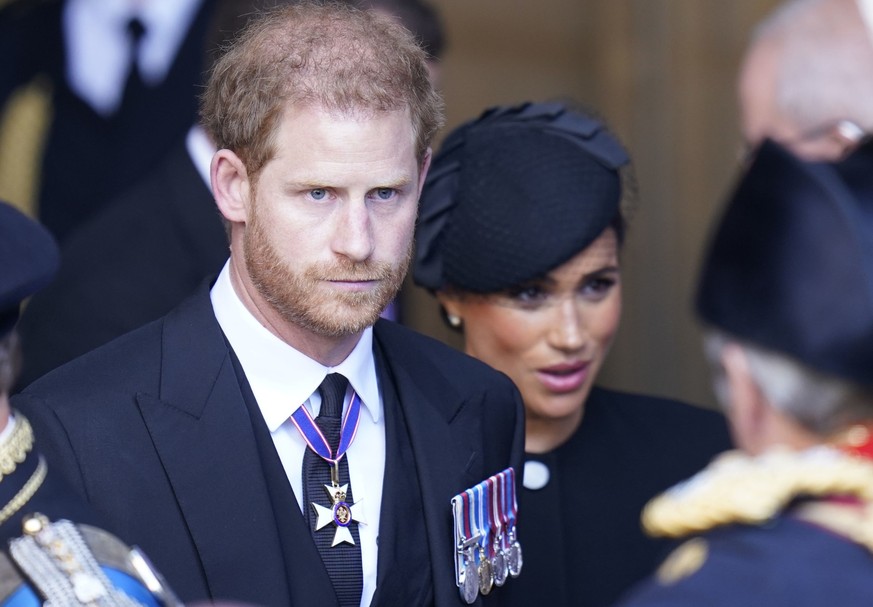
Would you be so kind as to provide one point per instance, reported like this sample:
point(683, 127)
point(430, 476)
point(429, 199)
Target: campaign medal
point(498, 563)
point(481, 520)
point(486, 573)
point(466, 572)
point(498, 557)
point(470, 585)
point(515, 559)
point(341, 513)
point(487, 551)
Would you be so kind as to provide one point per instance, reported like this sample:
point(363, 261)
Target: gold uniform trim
point(15, 449)
point(26, 493)
point(683, 562)
point(739, 488)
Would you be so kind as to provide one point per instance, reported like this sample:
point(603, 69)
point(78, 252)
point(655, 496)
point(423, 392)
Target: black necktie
point(343, 561)
point(134, 86)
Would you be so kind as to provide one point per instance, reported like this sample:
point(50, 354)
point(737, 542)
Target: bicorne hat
point(28, 261)
point(790, 265)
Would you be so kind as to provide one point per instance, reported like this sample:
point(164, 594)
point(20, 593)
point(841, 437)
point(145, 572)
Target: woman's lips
point(564, 377)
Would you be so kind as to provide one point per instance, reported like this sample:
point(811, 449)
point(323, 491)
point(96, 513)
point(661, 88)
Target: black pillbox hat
point(790, 265)
point(513, 195)
point(28, 261)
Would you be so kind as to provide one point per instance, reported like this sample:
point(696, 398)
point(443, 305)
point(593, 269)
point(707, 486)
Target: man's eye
point(318, 193)
point(384, 193)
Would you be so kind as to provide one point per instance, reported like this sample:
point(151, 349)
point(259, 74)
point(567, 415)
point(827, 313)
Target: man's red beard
point(302, 297)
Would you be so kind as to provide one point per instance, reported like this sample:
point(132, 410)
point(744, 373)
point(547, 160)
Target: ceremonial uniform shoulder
point(757, 566)
point(62, 562)
point(45, 557)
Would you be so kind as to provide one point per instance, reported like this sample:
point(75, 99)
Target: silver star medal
point(340, 514)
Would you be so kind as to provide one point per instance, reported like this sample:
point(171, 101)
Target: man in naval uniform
point(786, 293)
point(50, 550)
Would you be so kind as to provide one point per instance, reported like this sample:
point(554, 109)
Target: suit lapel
point(308, 580)
point(203, 435)
point(444, 430)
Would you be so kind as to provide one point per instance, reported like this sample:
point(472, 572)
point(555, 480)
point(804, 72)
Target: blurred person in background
point(807, 78)
point(51, 552)
point(786, 297)
point(422, 19)
point(123, 77)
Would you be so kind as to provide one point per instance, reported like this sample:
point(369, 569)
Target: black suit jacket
point(153, 430)
point(133, 263)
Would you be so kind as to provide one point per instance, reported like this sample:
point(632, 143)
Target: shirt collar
point(281, 377)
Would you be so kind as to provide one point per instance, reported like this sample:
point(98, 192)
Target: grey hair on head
point(820, 403)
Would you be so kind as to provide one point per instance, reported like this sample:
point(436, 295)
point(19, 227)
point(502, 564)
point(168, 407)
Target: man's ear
point(747, 408)
point(230, 186)
point(425, 167)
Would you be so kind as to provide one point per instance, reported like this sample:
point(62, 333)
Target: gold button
point(34, 523)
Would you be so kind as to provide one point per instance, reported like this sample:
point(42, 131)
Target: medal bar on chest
point(487, 550)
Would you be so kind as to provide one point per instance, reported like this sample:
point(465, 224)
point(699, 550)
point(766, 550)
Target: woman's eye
point(598, 286)
point(529, 294)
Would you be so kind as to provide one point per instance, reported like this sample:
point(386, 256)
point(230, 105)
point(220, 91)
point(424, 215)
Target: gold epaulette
point(13, 451)
point(739, 488)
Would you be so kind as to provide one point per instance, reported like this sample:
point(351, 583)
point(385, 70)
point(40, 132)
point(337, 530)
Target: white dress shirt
point(282, 379)
point(98, 44)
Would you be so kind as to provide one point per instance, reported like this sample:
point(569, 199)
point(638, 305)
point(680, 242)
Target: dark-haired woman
point(520, 234)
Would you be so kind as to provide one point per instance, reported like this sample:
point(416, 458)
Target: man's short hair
point(419, 17)
point(326, 55)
